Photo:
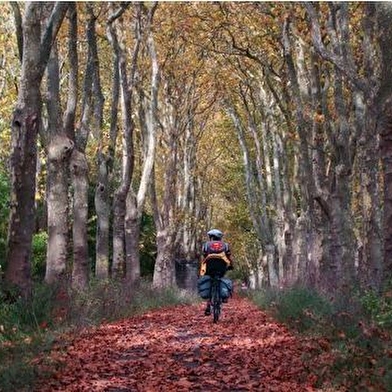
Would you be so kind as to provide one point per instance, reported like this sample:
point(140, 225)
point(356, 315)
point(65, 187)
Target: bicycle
point(210, 286)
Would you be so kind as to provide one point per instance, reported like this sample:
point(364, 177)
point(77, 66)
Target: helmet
point(215, 233)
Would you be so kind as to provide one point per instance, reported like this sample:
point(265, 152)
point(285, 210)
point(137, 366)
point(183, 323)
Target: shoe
point(207, 312)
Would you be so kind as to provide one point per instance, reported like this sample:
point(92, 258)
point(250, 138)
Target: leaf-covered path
point(180, 349)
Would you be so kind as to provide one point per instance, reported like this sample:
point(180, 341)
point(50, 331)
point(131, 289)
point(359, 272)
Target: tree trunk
point(164, 272)
point(132, 238)
point(59, 151)
point(273, 268)
point(81, 268)
point(102, 209)
point(384, 125)
point(105, 171)
point(135, 201)
point(25, 126)
point(127, 86)
point(164, 216)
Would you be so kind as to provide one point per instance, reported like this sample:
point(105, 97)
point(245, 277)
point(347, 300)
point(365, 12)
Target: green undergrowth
point(108, 300)
point(351, 347)
point(28, 328)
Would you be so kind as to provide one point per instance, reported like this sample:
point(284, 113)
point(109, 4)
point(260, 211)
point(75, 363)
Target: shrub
point(20, 317)
point(110, 300)
point(358, 350)
point(147, 297)
point(378, 307)
point(38, 263)
point(299, 307)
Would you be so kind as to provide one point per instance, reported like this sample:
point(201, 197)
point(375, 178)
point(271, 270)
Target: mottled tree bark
point(165, 213)
point(302, 252)
point(127, 84)
point(102, 209)
point(25, 127)
point(136, 198)
point(59, 136)
point(106, 158)
point(79, 176)
point(91, 118)
point(384, 125)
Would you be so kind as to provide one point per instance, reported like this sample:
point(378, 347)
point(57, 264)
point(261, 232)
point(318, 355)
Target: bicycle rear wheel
point(216, 302)
point(217, 311)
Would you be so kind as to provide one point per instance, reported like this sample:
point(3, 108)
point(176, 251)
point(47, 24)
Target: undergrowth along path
point(180, 349)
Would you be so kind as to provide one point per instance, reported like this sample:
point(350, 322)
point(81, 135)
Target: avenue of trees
point(271, 121)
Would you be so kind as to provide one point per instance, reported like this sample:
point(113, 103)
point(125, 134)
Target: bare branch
point(326, 54)
point(18, 27)
point(53, 26)
point(119, 12)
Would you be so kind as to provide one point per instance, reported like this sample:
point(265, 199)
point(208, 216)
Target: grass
point(353, 349)
point(28, 328)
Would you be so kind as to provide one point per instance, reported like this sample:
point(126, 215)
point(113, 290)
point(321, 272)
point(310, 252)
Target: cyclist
point(216, 258)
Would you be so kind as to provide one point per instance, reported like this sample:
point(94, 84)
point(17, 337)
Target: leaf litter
point(180, 349)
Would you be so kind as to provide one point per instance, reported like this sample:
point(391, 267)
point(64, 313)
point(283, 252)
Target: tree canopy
point(129, 129)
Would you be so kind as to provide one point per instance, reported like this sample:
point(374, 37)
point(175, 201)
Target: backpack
point(215, 247)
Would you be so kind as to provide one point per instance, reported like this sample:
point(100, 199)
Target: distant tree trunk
point(106, 158)
point(25, 127)
point(164, 271)
point(371, 252)
point(188, 248)
point(384, 125)
point(102, 209)
point(280, 212)
point(132, 239)
point(342, 236)
point(257, 272)
point(266, 270)
point(127, 86)
point(95, 123)
point(258, 220)
point(91, 117)
point(59, 151)
point(136, 200)
point(165, 213)
point(271, 262)
point(304, 170)
point(79, 171)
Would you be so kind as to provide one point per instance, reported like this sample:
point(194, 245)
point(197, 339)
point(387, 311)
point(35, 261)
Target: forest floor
point(181, 349)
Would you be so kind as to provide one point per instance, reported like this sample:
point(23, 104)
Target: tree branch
point(326, 54)
point(18, 27)
point(53, 26)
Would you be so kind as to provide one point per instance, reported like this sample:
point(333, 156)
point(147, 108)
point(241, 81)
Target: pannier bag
point(226, 288)
point(204, 286)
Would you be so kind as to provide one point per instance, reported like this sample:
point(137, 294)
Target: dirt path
point(180, 349)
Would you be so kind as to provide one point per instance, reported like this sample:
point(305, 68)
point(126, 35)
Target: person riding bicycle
point(216, 258)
